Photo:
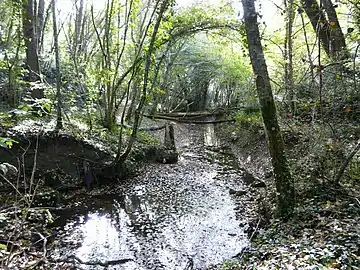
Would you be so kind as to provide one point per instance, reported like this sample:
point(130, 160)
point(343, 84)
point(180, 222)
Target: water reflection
point(209, 135)
point(134, 229)
point(162, 218)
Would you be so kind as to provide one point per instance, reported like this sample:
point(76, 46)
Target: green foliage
point(249, 116)
point(354, 168)
point(148, 138)
point(7, 142)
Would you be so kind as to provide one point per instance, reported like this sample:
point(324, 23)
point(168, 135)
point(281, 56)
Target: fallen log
point(146, 128)
point(189, 121)
point(73, 258)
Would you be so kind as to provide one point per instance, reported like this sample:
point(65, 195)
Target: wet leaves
point(323, 235)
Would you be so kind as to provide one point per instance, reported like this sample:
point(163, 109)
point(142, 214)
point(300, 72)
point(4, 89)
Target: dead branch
point(33, 264)
point(34, 170)
point(72, 258)
point(146, 128)
point(346, 163)
point(189, 121)
point(11, 184)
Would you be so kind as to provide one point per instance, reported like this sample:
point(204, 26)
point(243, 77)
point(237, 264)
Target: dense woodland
point(102, 70)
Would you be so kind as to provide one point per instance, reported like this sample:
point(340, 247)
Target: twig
point(34, 170)
point(357, 200)
point(190, 264)
point(33, 264)
point(34, 167)
point(11, 184)
point(257, 226)
point(23, 162)
point(189, 121)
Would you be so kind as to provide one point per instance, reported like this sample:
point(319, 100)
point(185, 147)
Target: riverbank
point(324, 231)
point(46, 172)
point(200, 212)
point(167, 216)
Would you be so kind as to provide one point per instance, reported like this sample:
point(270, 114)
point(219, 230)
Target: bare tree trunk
point(289, 71)
point(307, 47)
point(40, 21)
point(29, 26)
point(59, 123)
point(284, 182)
point(134, 94)
point(46, 19)
point(337, 39)
point(78, 27)
point(329, 32)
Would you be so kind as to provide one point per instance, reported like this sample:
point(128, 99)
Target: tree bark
point(32, 60)
point(284, 182)
point(59, 124)
point(336, 36)
point(148, 61)
point(78, 27)
point(330, 33)
point(288, 57)
point(40, 21)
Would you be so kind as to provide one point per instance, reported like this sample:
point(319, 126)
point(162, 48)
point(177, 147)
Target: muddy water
point(166, 217)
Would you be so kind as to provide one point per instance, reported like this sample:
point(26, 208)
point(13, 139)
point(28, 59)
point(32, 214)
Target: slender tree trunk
point(134, 94)
point(78, 26)
point(46, 19)
point(283, 179)
point(289, 71)
point(59, 124)
point(29, 26)
point(40, 21)
point(148, 61)
point(307, 47)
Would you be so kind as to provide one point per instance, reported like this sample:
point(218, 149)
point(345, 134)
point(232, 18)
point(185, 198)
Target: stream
point(168, 216)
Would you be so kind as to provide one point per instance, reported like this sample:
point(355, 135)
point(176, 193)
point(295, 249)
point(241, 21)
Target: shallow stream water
point(167, 216)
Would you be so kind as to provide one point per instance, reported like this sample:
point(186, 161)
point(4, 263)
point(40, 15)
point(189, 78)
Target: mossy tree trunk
point(284, 182)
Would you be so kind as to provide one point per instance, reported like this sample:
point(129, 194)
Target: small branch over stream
point(72, 258)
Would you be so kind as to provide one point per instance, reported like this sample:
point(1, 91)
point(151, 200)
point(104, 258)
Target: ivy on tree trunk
point(284, 182)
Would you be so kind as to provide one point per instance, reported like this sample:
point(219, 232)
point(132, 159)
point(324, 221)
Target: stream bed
point(169, 216)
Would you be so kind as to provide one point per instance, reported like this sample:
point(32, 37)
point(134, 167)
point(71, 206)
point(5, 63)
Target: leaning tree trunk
point(119, 160)
point(284, 182)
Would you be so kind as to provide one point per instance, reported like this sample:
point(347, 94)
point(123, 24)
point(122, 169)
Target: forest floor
point(324, 232)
